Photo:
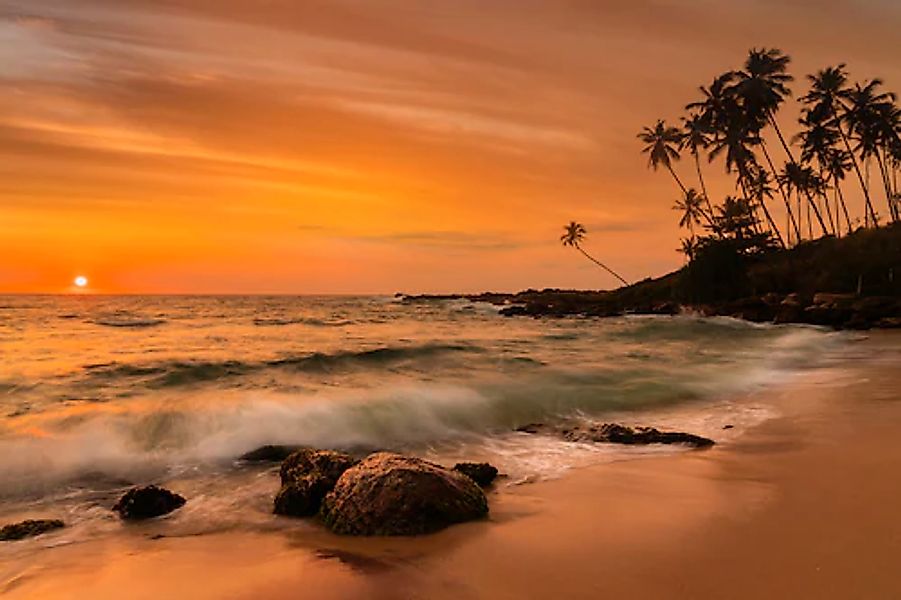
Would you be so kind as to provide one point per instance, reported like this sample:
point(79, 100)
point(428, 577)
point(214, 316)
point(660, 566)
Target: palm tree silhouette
point(662, 147)
point(865, 110)
point(761, 190)
point(696, 137)
point(827, 93)
point(837, 163)
point(573, 236)
point(692, 210)
point(763, 86)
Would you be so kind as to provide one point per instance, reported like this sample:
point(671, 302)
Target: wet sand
point(805, 505)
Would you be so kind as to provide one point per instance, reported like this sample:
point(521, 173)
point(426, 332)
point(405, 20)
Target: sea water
point(98, 393)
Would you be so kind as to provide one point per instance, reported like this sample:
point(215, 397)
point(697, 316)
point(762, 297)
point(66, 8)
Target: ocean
point(98, 393)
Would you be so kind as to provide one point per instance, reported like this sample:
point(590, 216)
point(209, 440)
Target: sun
point(81, 281)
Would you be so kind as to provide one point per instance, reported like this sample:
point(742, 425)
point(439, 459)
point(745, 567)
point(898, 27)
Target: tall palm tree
point(692, 211)
point(662, 147)
point(837, 163)
point(573, 236)
point(827, 92)
point(763, 87)
point(818, 141)
point(761, 190)
point(696, 137)
point(865, 110)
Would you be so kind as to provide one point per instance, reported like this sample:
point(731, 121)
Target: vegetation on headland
point(848, 282)
point(736, 249)
point(844, 130)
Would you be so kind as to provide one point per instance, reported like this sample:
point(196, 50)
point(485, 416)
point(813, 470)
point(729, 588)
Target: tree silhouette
point(573, 236)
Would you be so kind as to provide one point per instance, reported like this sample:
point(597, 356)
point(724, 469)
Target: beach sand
point(805, 505)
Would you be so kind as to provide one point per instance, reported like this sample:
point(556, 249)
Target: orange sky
point(297, 146)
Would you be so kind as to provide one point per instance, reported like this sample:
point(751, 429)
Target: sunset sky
point(299, 146)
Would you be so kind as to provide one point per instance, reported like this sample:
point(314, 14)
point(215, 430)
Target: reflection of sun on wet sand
point(802, 506)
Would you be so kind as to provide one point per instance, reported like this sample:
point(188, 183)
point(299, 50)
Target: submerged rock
point(390, 494)
point(269, 453)
point(613, 433)
point(307, 476)
point(482, 473)
point(28, 528)
point(147, 502)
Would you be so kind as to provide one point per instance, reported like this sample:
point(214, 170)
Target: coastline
point(802, 505)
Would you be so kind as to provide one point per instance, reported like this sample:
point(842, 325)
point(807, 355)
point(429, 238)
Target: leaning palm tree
point(573, 235)
point(865, 108)
point(763, 86)
point(662, 147)
point(761, 190)
point(827, 92)
point(692, 211)
point(837, 163)
point(696, 137)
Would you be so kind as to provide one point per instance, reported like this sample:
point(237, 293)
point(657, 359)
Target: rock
point(147, 502)
point(269, 453)
point(307, 476)
point(390, 494)
point(29, 528)
point(728, 426)
point(482, 473)
point(613, 433)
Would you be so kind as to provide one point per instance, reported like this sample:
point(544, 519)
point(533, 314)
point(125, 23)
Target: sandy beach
point(801, 506)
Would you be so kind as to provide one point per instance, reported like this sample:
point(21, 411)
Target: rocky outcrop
point(390, 494)
point(29, 528)
point(613, 433)
point(482, 473)
point(147, 502)
point(307, 475)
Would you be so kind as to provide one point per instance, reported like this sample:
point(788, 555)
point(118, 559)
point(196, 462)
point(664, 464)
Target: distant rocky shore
point(840, 311)
point(849, 283)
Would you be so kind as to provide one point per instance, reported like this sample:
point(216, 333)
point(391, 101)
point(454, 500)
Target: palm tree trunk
point(831, 221)
point(775, 125)
point(788, 206)
point(863, 185)
point(701, 181)
point(602, 265)
point(816, 212)
point(841, 196)
point(676, 177)
point(888, 187)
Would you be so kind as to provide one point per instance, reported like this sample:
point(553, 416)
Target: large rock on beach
point(482, 473)
point(613, 433)
point(390, 494)
point(28, 528)
point(147, 502)
point(307, 476)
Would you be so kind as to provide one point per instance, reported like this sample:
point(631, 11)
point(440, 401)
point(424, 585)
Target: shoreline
point(802, 505)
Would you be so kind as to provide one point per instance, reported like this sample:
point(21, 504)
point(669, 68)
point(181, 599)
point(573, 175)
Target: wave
point(128, 322)
point(179, 372)
point(280, 322)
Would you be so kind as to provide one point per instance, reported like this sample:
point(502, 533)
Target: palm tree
point(866, 107)
point(692, 211)
point(827, 92)
point(662, 147)
point(759, 184)
point(818, 141)
point(696, 137)
point(837, 163)
point(763, 86)
point(573, 235)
